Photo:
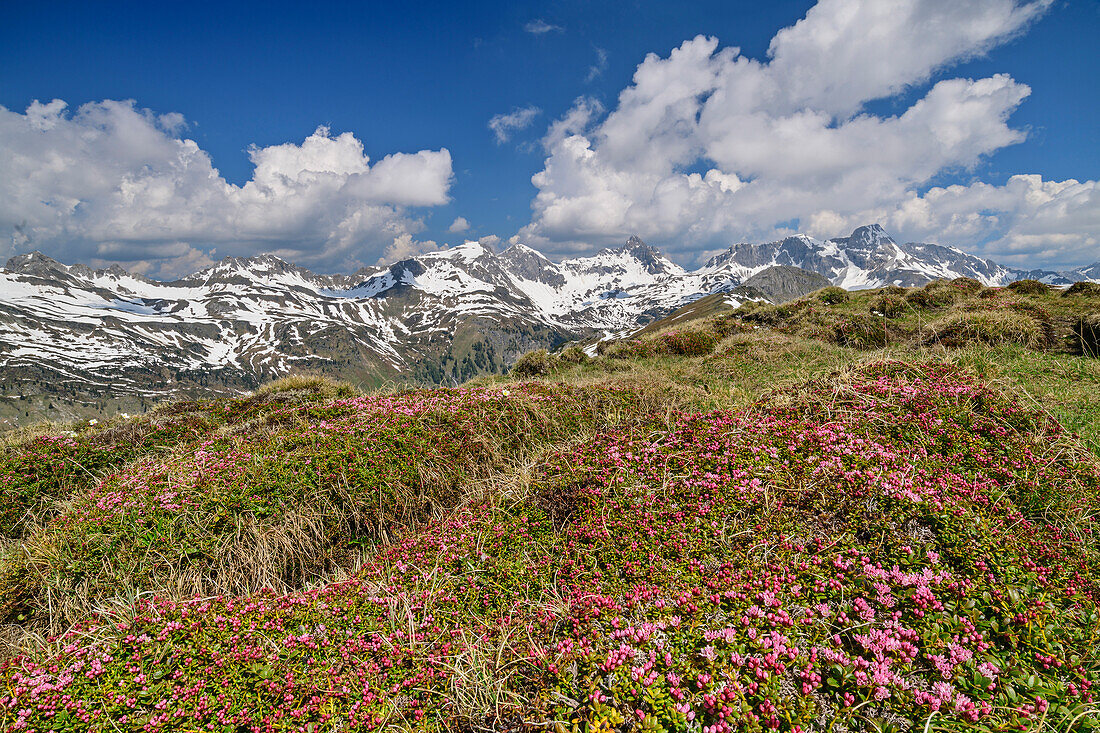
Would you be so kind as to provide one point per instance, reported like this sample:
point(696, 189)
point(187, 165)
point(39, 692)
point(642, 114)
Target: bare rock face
point(781, 283)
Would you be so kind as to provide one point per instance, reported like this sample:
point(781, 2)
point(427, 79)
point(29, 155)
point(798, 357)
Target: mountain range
point(75, 340)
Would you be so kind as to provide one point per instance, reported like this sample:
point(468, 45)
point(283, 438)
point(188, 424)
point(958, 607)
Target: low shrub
point(749, 306)
point(279, 500)
point(889, 305)
point(671, 343)
point(768, 315)
point(1029, 287)
point(863, 331)
point(988, 293)
point(537, 363)
point(995, 328)
point(687, 343)
point(574, 355)
point(832, 295)
point(1087, 333)
point(1031, 309)
point(890, 548)
point(1085, 289)
point(936, 294)
point(967, 284)
point(727, 325)
point(626, 349)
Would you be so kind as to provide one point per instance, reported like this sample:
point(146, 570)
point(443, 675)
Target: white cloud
point(539, 27)
point(489, 240)
point(115, 183)
point(520, 118)
point(596, 70)
point(846, 52)
point(458, 225)
point(405, 246)
point(175, 259)
point(1026, 220)
point(707, 146)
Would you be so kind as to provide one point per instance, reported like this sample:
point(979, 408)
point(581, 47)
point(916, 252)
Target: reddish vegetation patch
point(875, 552)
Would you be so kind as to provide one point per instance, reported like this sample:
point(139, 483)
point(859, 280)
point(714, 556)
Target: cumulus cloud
point(540, 27)
point(520, 118)
point(114, 183)
point(491, 241)
point(1026, 220)
point(405, 246)
point(707, 146)
point(458, 225)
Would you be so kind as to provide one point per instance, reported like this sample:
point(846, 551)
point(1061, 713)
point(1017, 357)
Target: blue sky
point(409, 77)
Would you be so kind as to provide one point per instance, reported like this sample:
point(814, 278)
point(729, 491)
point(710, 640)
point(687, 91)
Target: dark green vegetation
point(765, 519)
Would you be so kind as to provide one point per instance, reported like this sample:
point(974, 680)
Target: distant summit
point(870, 258)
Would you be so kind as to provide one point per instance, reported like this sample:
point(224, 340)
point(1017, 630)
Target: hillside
point(743, 519)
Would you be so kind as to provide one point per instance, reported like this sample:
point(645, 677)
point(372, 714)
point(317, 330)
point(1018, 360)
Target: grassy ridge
point(713, 528)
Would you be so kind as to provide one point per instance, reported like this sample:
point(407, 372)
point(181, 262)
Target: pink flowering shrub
point(878, 550)
point(283, 499)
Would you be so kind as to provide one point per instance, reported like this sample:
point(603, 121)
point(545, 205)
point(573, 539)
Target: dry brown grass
point(20, 436)
point(323, 534)
point(1087, 332)
point(994, 327)
point(313, 383)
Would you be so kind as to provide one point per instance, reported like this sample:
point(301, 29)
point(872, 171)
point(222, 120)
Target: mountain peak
point(30, 261)
point(530, 264)
point(869, 237)
point(651, 257)
point(521, 248)
point(870, 230)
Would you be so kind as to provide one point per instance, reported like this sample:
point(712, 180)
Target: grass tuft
point(537, 363)
point(996, 328)
point(1029, 287)
point(1087, 331)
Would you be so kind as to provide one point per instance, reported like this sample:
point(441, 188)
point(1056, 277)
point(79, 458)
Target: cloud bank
point(115, 183)
point(707, 146)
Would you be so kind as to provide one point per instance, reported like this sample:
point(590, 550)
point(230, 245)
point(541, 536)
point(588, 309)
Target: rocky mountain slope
point(870, 258)
point(781, 283)
point(74, 340)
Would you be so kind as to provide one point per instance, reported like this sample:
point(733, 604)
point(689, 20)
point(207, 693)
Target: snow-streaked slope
point(870, 258)
point(440, 316)
point(245, 320)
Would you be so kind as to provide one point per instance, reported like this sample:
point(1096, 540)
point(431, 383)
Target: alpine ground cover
point(892, 547)
point(955, 313)
point(283, 491)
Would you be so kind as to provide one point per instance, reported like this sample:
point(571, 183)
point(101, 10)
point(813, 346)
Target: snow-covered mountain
point(72, 336)
point(870, 258)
